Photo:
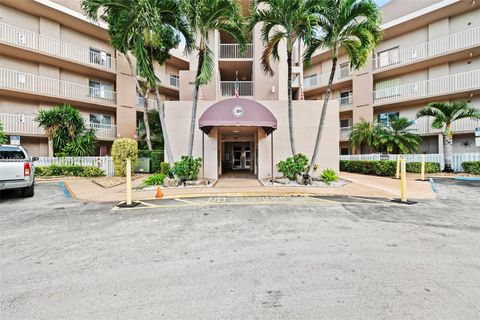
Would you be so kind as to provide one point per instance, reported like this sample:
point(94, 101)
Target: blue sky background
point(381, 2)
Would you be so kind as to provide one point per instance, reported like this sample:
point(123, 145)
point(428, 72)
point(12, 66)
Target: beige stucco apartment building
point(50, 54)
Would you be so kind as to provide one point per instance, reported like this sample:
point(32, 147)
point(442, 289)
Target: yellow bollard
point(403, 180)
point(397, 173)
point(129, 182)
point(422, 169)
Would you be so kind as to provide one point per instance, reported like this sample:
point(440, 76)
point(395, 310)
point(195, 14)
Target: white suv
point(17, 170)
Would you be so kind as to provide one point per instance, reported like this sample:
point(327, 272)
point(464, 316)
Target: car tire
point(28, 192)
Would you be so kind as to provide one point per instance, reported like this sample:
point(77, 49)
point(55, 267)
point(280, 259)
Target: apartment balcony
point(20, 124)
point(423, 126)
point(152, 103)
point(434, 88)
point(19, 83)
point(320, 81)
point(345, 101)
point(227, 88)
point(232, 51)
point(439, 47)
point(28, 40)
point(345, 133)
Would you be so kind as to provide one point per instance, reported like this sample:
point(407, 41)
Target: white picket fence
point(457, 158)
point(104, 163)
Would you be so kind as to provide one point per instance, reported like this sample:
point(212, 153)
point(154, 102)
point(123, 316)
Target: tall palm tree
point(148, 29)
point(204, 16)
point(396, 137)
point(352, 26)
point(284, 20)
point(363, 134)
point(444, 114)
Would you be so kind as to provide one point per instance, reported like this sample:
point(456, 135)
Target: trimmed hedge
point(155, 179)
point(156, 157)
point(430, 167)
point(472, 167)
point(69, 170)
point(384, 168)
point(123, 149)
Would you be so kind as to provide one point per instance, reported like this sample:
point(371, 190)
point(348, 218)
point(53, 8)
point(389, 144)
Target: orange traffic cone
point(159, 193)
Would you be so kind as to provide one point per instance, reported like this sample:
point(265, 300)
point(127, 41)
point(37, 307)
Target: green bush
point(329, 175)
point(68, 170)
point(123, 149)
point(155, 179)
point(187, 168)
point(292, 167)
point(472, 167)
point(165, 169)
point(430, 167)
point(156, 157)
point(377, 168)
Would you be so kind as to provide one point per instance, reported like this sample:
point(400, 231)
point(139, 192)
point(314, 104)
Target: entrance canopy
point(238, 112)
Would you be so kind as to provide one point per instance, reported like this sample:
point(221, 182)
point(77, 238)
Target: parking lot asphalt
point(241, 257)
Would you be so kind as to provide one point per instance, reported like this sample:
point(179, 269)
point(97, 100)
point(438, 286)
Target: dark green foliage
point(472, 167)
point(69, 170)
point(3, 136)
point(123, 149)
point(156, 157)
point(156, 136)
point(430, 167)
point(166, 169)
point(329, 175)
point(65, 126)
point(376, 168)
point(155, 179)
point(293, 166)
point(187, 168)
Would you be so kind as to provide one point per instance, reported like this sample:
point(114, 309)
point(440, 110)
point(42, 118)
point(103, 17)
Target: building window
point(100, 119)
point(388, 58)
point(100, 90)
point(386, 118)
point(174, 80)
point(100, 58)
point(345, 123)
point(344, 70)
point(310, 81)
point(344, 151)
point(346, 97)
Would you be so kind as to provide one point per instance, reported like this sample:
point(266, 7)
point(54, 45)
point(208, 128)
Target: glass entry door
point(242, 157)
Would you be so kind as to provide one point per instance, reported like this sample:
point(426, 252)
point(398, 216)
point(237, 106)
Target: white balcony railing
point(245, 88)
point(31, 83)
point(107, 131)
point(322, 79)
point(424, 126)
point(454, 83)
point(454, 42)
point(40, 43)
point(345, 133)
point(232, 51)
point(22, 124)
point(343, 101)
point(152, 103)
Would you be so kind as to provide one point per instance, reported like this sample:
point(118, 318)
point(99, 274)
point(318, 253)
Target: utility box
point(142, 166)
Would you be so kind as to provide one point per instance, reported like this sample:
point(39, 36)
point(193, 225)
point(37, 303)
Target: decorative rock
point(282, 181)
point(169, 182)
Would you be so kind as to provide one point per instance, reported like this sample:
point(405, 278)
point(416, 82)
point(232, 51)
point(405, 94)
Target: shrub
point(123, 149)
point(329, 175)
point(378, 168)
point(292, 167)
point(430, 167)
point(472, 167)
point(68, 170)
point(155, 179)
point(187, 168)
point(165, 169)
point(156, 157)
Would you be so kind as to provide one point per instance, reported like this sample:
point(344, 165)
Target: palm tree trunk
point(290, 110)
point(193, 119)
point(323, 115)
point(145, 103)
point(448, 148)
point(161, 115)
point(145, 120)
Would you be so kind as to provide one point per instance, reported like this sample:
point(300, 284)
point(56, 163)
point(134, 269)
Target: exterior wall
point(306, 117)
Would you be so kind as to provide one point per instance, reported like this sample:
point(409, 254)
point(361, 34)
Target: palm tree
point(3, 136)
point(204, 16)
point(396, 137)
point(352, 26)
point(148, 29)
point(363, 134)
point(291, 21)
point(444, 114)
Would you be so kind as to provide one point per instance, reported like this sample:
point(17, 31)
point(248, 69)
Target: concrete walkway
point(241, 178)
point(361, 186)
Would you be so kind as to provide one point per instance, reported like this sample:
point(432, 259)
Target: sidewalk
point(360, 186)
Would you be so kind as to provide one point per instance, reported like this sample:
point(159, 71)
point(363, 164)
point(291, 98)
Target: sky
point(381, 2)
